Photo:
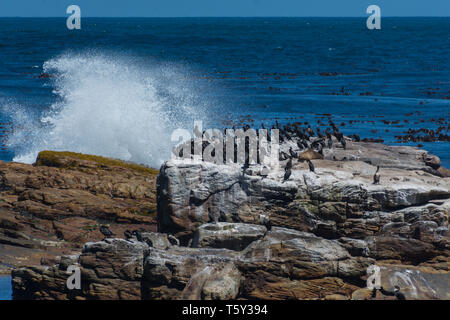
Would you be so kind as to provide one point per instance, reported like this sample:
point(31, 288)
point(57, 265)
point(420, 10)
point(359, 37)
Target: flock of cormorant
point(306, 138)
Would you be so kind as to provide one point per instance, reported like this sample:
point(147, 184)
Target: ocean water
point(119, 87)
point(5, 288)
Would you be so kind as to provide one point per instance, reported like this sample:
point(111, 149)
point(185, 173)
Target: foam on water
point(109, 105)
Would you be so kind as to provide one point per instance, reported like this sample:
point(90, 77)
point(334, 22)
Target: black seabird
point(128, 235)
point(344, 143)
point(106, 232)
point(222, 217)
point(283, 156)
point(319, 134)
point(305, 143)
point(311, 165)
point(287, 174)
point(376, 176)
point(330, 143)
point(320, 149)
point(288, 164)
point(138, 235)
point(212, 218)
point(292, 153)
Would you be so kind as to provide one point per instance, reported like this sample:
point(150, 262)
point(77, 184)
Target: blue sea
point(119, 87)
point(5, 288)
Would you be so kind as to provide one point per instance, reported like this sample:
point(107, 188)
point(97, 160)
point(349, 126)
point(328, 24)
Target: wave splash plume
point(108, 106)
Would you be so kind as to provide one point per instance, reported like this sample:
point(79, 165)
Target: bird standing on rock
point(287, 174)
point(320, 149)
point(292, 153)
point(138, 234)
point(106, 232)
point(311, 165)
point(212, 218)
point(128, 235)
point(376, 176)
point(344, 143)
point(288, 165)
point(283, 156)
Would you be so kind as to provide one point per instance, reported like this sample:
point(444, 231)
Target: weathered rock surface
point(402, 220)
point(234, 236)
point(110, 270)
point(53, 207)
point(339, 199)
point(320, 233)
point(415, 282)
point(121, 269)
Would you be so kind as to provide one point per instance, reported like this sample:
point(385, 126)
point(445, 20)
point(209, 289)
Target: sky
point(223, 8)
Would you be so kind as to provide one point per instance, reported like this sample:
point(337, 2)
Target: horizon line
point(187, 17)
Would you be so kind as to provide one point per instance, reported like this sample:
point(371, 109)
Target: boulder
point(234, 236)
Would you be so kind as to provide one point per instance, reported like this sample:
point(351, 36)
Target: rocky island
point(208, 231)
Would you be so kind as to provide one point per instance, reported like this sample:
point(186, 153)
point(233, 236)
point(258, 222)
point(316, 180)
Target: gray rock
point(190, 193)
point(234, 236)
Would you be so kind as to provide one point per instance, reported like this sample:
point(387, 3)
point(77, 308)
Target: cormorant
point(305, 143)
point(319, 134)
point(287, 174)
point(320, 149)
point(311, 165)
point(288, 164)
point(222, 217)
point(330, 143)
point(344, 143)
point(283, 156)
point(245, 167)
point(376, 176)
point(138, 235)
point(339, 136)
point(292, 153)
point(106, 232)
point(322, 142)
point(128, 235)
point(212, 218)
